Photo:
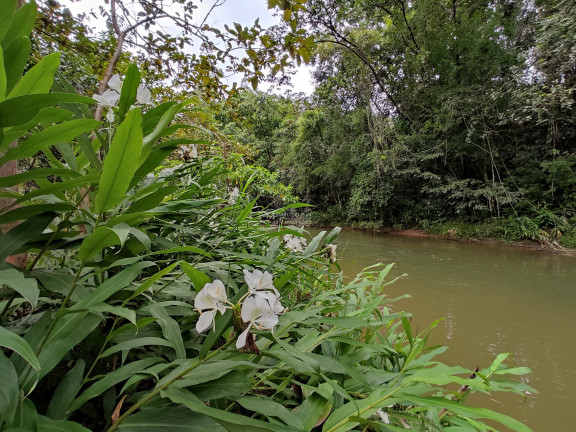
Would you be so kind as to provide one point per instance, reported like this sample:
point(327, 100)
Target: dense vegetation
point(432, 114)
point(141, 286)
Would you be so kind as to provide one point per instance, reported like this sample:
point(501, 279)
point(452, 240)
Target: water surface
point(493, 299)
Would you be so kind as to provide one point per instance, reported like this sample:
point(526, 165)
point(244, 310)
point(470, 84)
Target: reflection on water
point(493, 299)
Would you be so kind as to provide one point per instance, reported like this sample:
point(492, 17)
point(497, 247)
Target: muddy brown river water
point(493, 299)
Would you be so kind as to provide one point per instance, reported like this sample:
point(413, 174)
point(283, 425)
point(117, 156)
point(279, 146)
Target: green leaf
point(60, 187)
point(121, 162)
point(22, 23)
point(66, 392)
point(26, 416)
point(463, 410)
point(19, 110)
point(26, 212)
point(101, 238)
point(170, 329)
point(111, 286)
point(313, 245)
point(39, 173)
point(7, 8)
point(231, 421)
point(343, 418)
point(9, 390)
point(129, 314)
point(3, 79)
point(271, 409)
point(159, 131)
point(246, 211)
point(26, 287)
point(111, 379)
point(88, 154)
point(28, 230)
point(48, 137)
point(151, 281)
point(169, 418)
point(233, 384)
point(136, 343)
point(47, 425)
point(20, 346)
point(198, 278)
point(45, 118)
point(313, 411)
point(151, 200)
point(39, 78)
point(18, 52)
point(68, 332)
point(129, 90)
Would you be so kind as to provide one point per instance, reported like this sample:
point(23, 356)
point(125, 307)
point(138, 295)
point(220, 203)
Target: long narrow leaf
point(121, 162)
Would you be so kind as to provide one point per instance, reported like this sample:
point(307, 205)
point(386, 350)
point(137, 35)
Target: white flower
point(294, 243)
point(110, 115)
point(259, 311)
point(331, 253)
point(211, 299)
point(143, 95)
point(383, 415)
point(115, 83)
point(188, 152)
point(234, 196)
point(109, 98)
point(259, 283)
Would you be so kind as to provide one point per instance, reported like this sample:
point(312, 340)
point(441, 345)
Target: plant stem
point(49, 242)
point(8, 303)
point(157, 391)
point(59, 315)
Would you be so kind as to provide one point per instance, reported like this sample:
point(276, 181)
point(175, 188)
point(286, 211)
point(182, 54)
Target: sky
point(244, 12)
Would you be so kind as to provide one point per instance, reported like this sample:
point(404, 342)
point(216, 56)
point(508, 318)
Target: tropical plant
point(150, 303)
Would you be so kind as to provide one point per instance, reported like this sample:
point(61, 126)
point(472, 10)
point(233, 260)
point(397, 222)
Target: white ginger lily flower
point(331, 253)
point(110, 115)
point(115, 83)
point(383, 415)
point(109, 98)
point(295, 244)
point(234, 196)
point(211, 299)
point(143, 95)
point(259, 311)
point(259, 283)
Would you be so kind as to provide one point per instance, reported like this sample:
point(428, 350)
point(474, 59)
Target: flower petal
point(204, 300)
point(110, 115)
point(115, 83)
point(205, 321)
point(250, 310)
point(217, 290)
point(241, 341)
point(267, 321)
point(258, 281)
point(108, 98)
point(143, 95)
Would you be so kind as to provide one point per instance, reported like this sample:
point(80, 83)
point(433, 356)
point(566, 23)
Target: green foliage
point(103, 330)
point(427, 112)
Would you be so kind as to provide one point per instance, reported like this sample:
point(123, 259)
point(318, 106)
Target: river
point(493, 299)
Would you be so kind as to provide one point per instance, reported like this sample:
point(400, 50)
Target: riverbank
point(548, 247)
point(468, 233)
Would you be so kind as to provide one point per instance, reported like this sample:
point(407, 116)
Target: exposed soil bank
point(549, 247)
